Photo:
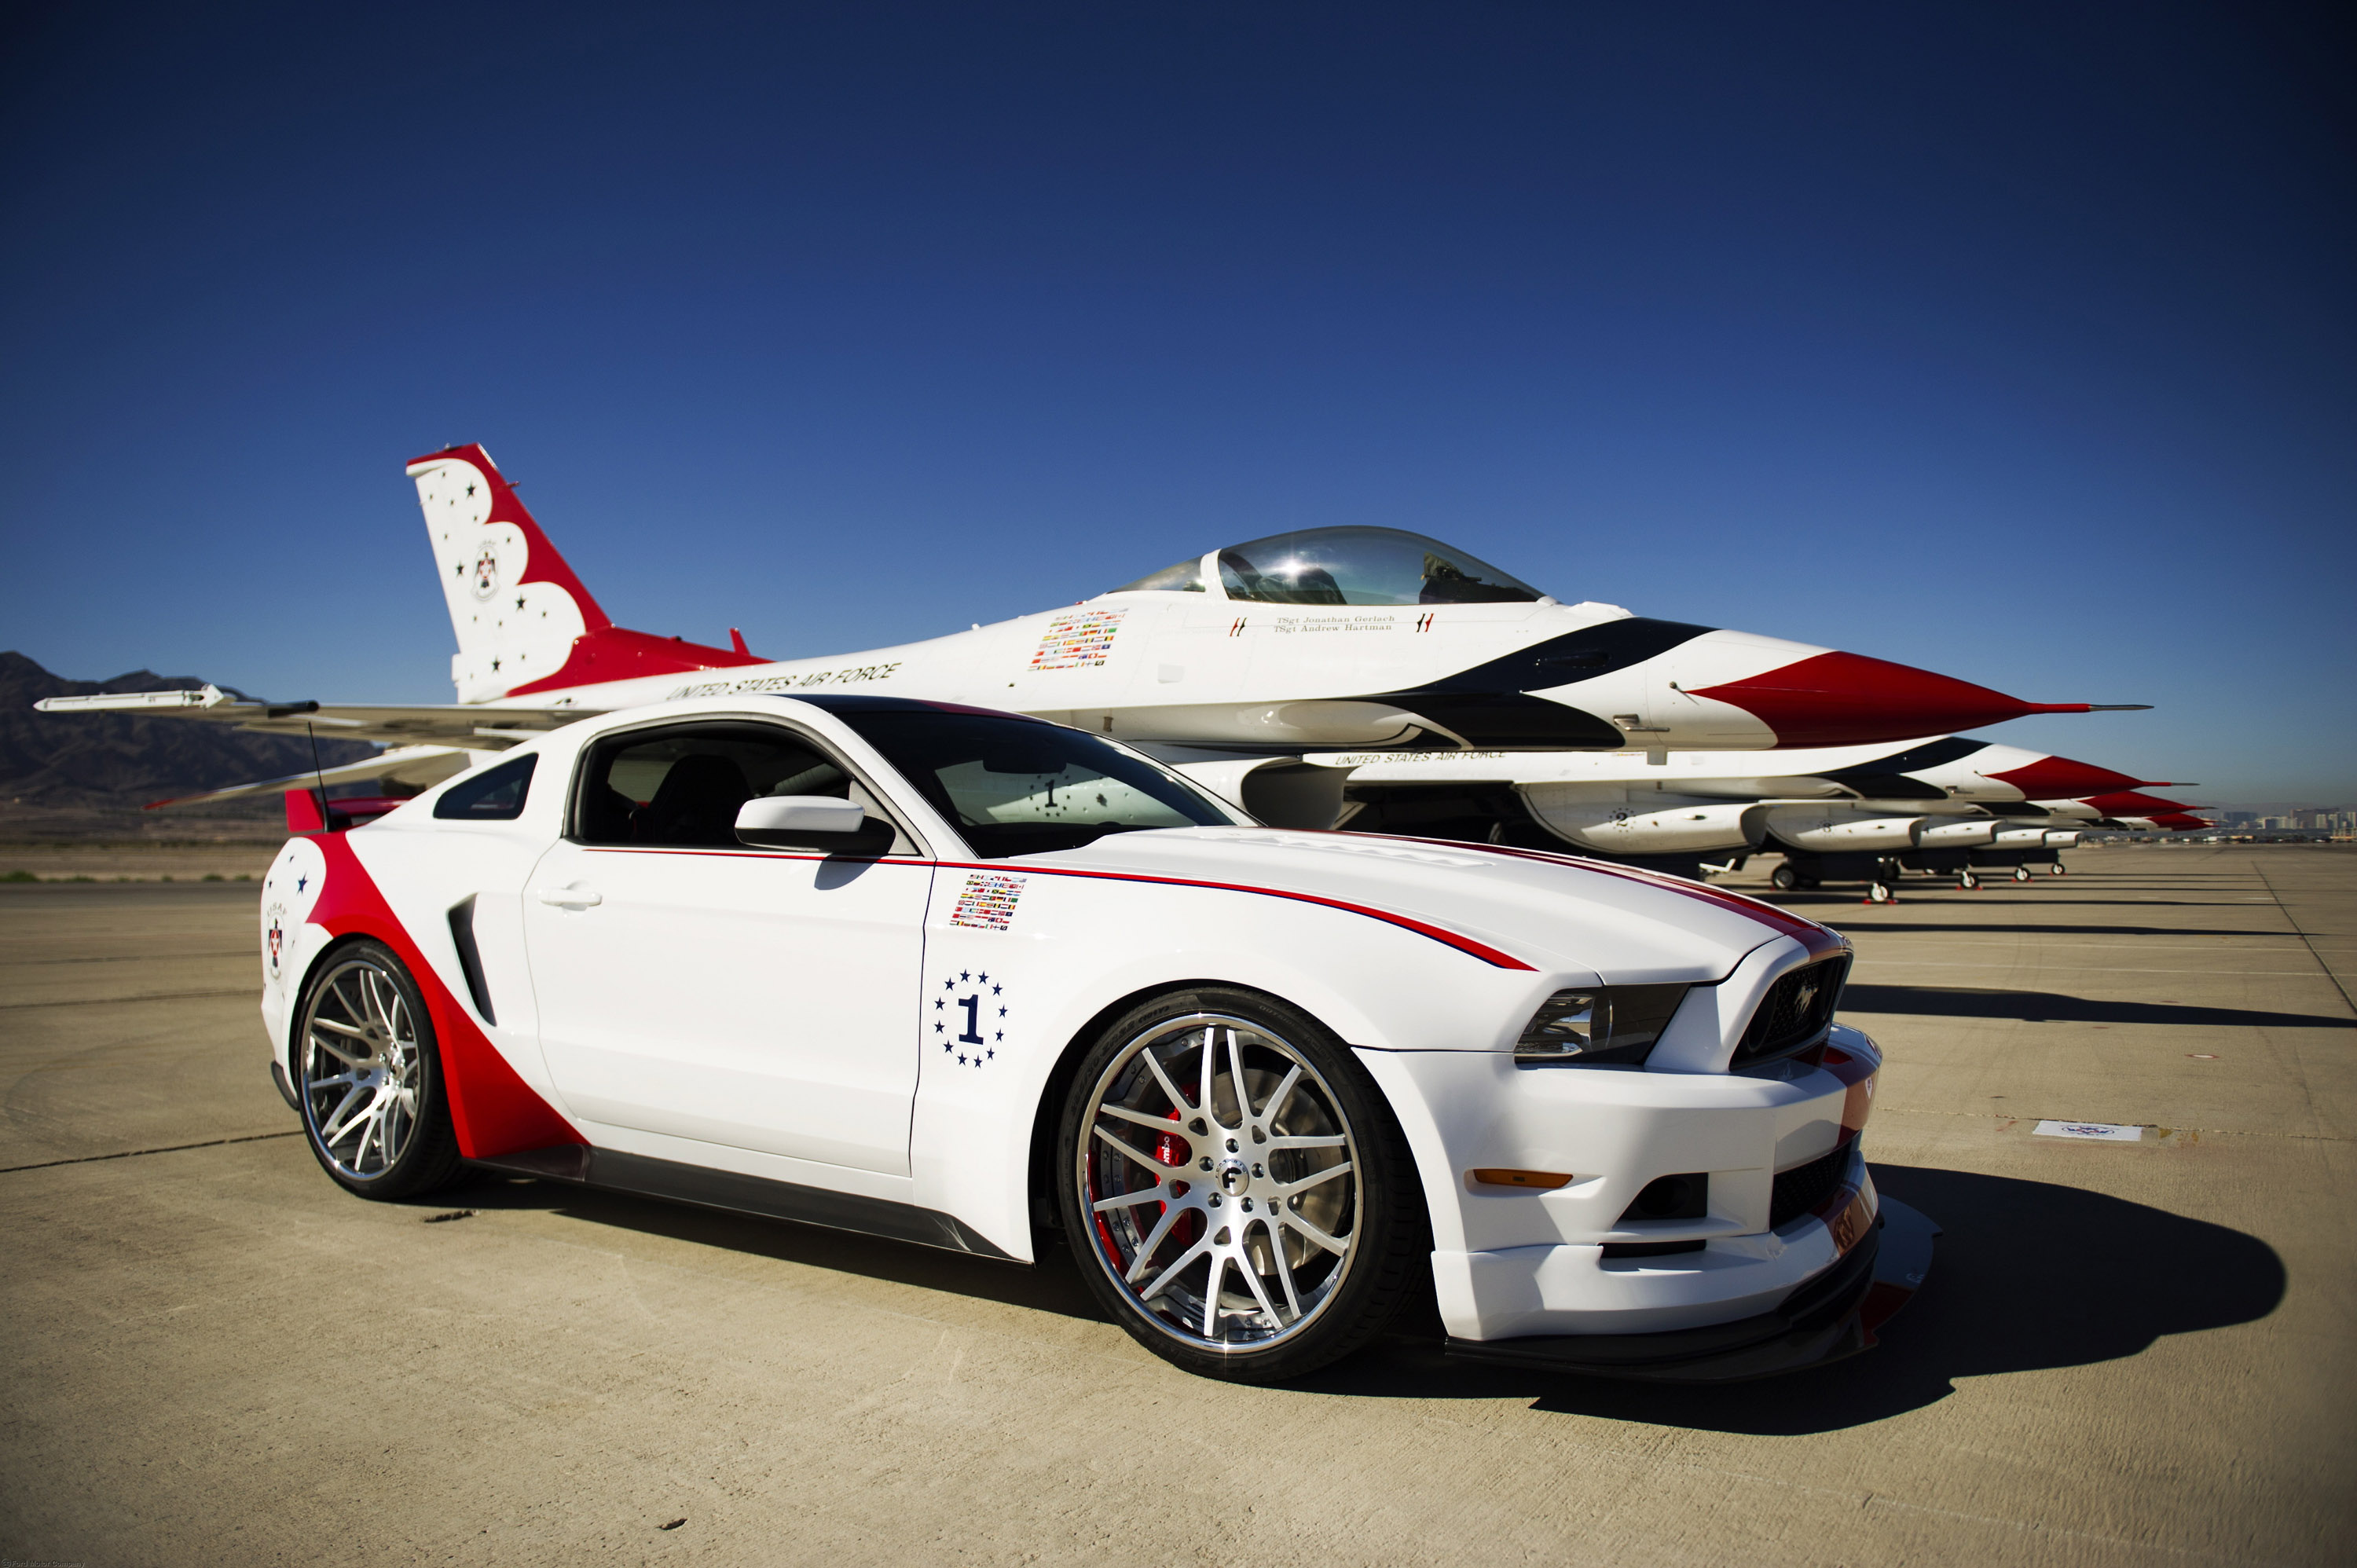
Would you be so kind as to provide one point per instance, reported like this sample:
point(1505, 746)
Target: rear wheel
point(1247, 1207)
point(368, 1080)
point(1784, 878)
point(2021, 873)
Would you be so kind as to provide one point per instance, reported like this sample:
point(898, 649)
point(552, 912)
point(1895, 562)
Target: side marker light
point(1491, 1175)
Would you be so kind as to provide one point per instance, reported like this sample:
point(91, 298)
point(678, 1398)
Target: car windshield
point(1017, 786)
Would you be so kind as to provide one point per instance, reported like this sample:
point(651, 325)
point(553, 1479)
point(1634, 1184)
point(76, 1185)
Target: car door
point(692, 986)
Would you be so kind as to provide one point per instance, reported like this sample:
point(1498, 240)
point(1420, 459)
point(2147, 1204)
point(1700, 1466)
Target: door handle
point(570, 898)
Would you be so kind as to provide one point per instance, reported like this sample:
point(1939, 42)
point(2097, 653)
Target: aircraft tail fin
point(524, 622)
point(515, 605)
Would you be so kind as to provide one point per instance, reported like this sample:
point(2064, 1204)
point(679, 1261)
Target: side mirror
point(785, 821)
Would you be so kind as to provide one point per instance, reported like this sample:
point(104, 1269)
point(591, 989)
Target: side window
point(681, 787)
point(497, 796)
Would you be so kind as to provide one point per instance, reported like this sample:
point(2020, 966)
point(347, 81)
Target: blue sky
point(2014, 342)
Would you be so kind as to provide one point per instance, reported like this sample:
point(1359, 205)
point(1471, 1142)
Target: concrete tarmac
point(2128, 1353)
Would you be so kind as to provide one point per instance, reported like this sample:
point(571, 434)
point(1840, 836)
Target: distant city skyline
point(1960, 338)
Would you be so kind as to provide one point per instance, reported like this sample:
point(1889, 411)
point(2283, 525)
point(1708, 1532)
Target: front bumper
point(1569, 1256)
point(1831, 1316)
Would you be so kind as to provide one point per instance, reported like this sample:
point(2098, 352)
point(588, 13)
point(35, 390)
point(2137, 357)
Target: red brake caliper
point(1172, 1151)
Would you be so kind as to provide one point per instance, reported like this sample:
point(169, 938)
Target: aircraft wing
point(413, 764)
point(475, 726)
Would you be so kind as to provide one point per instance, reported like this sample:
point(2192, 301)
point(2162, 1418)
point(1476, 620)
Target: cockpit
point(1343, 566)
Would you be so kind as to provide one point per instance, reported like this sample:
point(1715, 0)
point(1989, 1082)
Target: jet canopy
point(1347, 566)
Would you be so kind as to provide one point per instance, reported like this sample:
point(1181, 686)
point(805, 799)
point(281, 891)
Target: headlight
point(1606, 1025)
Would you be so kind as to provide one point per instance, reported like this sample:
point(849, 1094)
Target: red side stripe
point(1461, 942)
point(1820, 940)
point(493, 1111)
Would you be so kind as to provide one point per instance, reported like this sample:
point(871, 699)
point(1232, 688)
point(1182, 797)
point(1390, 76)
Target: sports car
point(982, 981)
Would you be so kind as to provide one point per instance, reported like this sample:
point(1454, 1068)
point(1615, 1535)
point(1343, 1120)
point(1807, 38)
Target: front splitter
point(1833, 1315)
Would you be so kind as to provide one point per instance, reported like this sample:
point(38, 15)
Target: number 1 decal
point(973, 1005)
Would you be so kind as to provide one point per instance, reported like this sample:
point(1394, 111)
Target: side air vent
point(1795, 1013)
point(470, 961)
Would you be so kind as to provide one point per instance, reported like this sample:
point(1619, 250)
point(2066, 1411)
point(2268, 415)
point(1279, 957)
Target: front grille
point(1794, 1012)
point(1804, 1188)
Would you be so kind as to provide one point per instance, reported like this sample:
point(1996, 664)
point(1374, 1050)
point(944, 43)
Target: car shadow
point(2048, 1007)
point(1053, 1285)
point(2029, 1275)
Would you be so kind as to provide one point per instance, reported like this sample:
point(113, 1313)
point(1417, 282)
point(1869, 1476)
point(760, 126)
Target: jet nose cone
point(1847, 699)
point(2064, 779)
point(2129, 803)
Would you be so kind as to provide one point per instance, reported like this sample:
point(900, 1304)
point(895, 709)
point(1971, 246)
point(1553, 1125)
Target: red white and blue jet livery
point(1335, 637)
point(966, 978)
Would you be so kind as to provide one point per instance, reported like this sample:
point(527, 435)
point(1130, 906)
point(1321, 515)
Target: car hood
point(1552, 911)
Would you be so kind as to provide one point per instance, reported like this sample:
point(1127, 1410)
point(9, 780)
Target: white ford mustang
point(975, 981)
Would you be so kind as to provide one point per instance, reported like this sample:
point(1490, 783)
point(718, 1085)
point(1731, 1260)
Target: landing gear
point(1966, 880)
point(1881, 892)
point(1784, 878)
point(2054, 868)
point(2021, 873)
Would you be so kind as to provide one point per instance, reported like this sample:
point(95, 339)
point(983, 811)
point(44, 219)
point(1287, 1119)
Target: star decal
point(963, 975)
point(459, 570)
point(938, 1029)
point(302, 882)
point(961, 1058)
point(519, 601)
point(983, 979)
point(993, 990)
point(939, 1004)
point(1002, 1012)
point(471, 489)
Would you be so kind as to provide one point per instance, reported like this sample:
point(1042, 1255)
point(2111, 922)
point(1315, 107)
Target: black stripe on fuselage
point(1889, 778)
point(1489, 705)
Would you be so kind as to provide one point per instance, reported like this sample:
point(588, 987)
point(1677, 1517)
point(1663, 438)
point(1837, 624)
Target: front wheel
point(1247, 1207)
point(368, 1080)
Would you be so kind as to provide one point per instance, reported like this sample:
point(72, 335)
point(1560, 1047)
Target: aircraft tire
point(1784, 878)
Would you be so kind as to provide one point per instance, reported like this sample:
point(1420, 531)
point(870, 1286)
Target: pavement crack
point(135, 1153)
point(118, 1001)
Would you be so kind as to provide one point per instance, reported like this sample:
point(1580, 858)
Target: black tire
point(368, 1077)
point(1784, 878)
point(1151, 1263)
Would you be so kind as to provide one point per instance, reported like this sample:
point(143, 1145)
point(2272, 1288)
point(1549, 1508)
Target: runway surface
point(2128, 1353)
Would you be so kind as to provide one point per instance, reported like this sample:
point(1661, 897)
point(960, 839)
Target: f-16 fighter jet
point(1947, 804)
point(1324, 638)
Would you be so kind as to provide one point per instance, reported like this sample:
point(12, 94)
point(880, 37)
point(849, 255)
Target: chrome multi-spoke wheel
point(1231, 1191)
point(364, 1076)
